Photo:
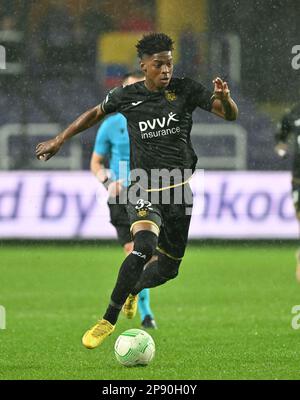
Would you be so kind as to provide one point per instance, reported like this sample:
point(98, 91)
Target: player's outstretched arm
point(46, 150)
point(223, 105)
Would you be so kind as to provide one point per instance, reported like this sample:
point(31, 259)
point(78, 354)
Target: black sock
point(130, 272)
point(149, 278)
point(112, 313)
point(157, 272)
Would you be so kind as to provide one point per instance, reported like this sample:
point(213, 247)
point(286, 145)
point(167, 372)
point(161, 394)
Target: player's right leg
point(97, 334)
point(119, 219)
point(145, 225)
point(145, 242)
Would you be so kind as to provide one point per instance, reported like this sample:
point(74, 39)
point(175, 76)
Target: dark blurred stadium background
point(63, 56)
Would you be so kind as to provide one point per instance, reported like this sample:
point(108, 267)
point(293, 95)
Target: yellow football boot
point(96, 335)
point(130, 306)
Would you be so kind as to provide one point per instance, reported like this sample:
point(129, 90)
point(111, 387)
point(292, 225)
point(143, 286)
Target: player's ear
point(143, 66)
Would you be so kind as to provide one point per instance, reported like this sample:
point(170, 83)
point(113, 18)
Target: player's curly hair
point(153, 43)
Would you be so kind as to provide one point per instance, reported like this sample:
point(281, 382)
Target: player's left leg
point(158, 272)
point(171, 245)
point(147, 316)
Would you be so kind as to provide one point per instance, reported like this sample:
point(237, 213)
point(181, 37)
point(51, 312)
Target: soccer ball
point(134, 347)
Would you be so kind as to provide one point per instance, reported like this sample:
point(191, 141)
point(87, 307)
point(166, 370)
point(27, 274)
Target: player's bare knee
point(144, 226)
point(128, 247)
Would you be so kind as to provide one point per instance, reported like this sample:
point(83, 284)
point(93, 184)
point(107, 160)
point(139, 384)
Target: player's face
point(158, 69)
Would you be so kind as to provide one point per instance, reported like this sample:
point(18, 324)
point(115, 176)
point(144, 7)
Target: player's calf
point(144, 245)
point(158, 272)
point(168, 267)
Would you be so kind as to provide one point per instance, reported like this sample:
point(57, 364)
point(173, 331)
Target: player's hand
point(221, 90)
point(114, 188)
point(46, 150)
point(281, 149)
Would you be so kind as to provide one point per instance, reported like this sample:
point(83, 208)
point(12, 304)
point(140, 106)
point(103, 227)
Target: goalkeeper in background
point(112, 143)
point(290, 125)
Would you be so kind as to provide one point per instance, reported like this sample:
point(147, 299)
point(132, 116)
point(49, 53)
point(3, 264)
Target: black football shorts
point(119, 219)
point(173, 220)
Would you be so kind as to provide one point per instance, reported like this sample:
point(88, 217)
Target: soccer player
point(159, 118)
point(290, 124)
point(112, 142)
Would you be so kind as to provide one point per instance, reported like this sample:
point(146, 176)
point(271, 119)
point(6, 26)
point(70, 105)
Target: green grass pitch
point(226, 316)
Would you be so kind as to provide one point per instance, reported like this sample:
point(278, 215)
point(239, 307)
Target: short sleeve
point(198, 95)
point(102, 143)
point(112, 101)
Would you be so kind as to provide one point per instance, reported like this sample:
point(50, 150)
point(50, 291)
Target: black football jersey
point(290, 124)
point(159, 123)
